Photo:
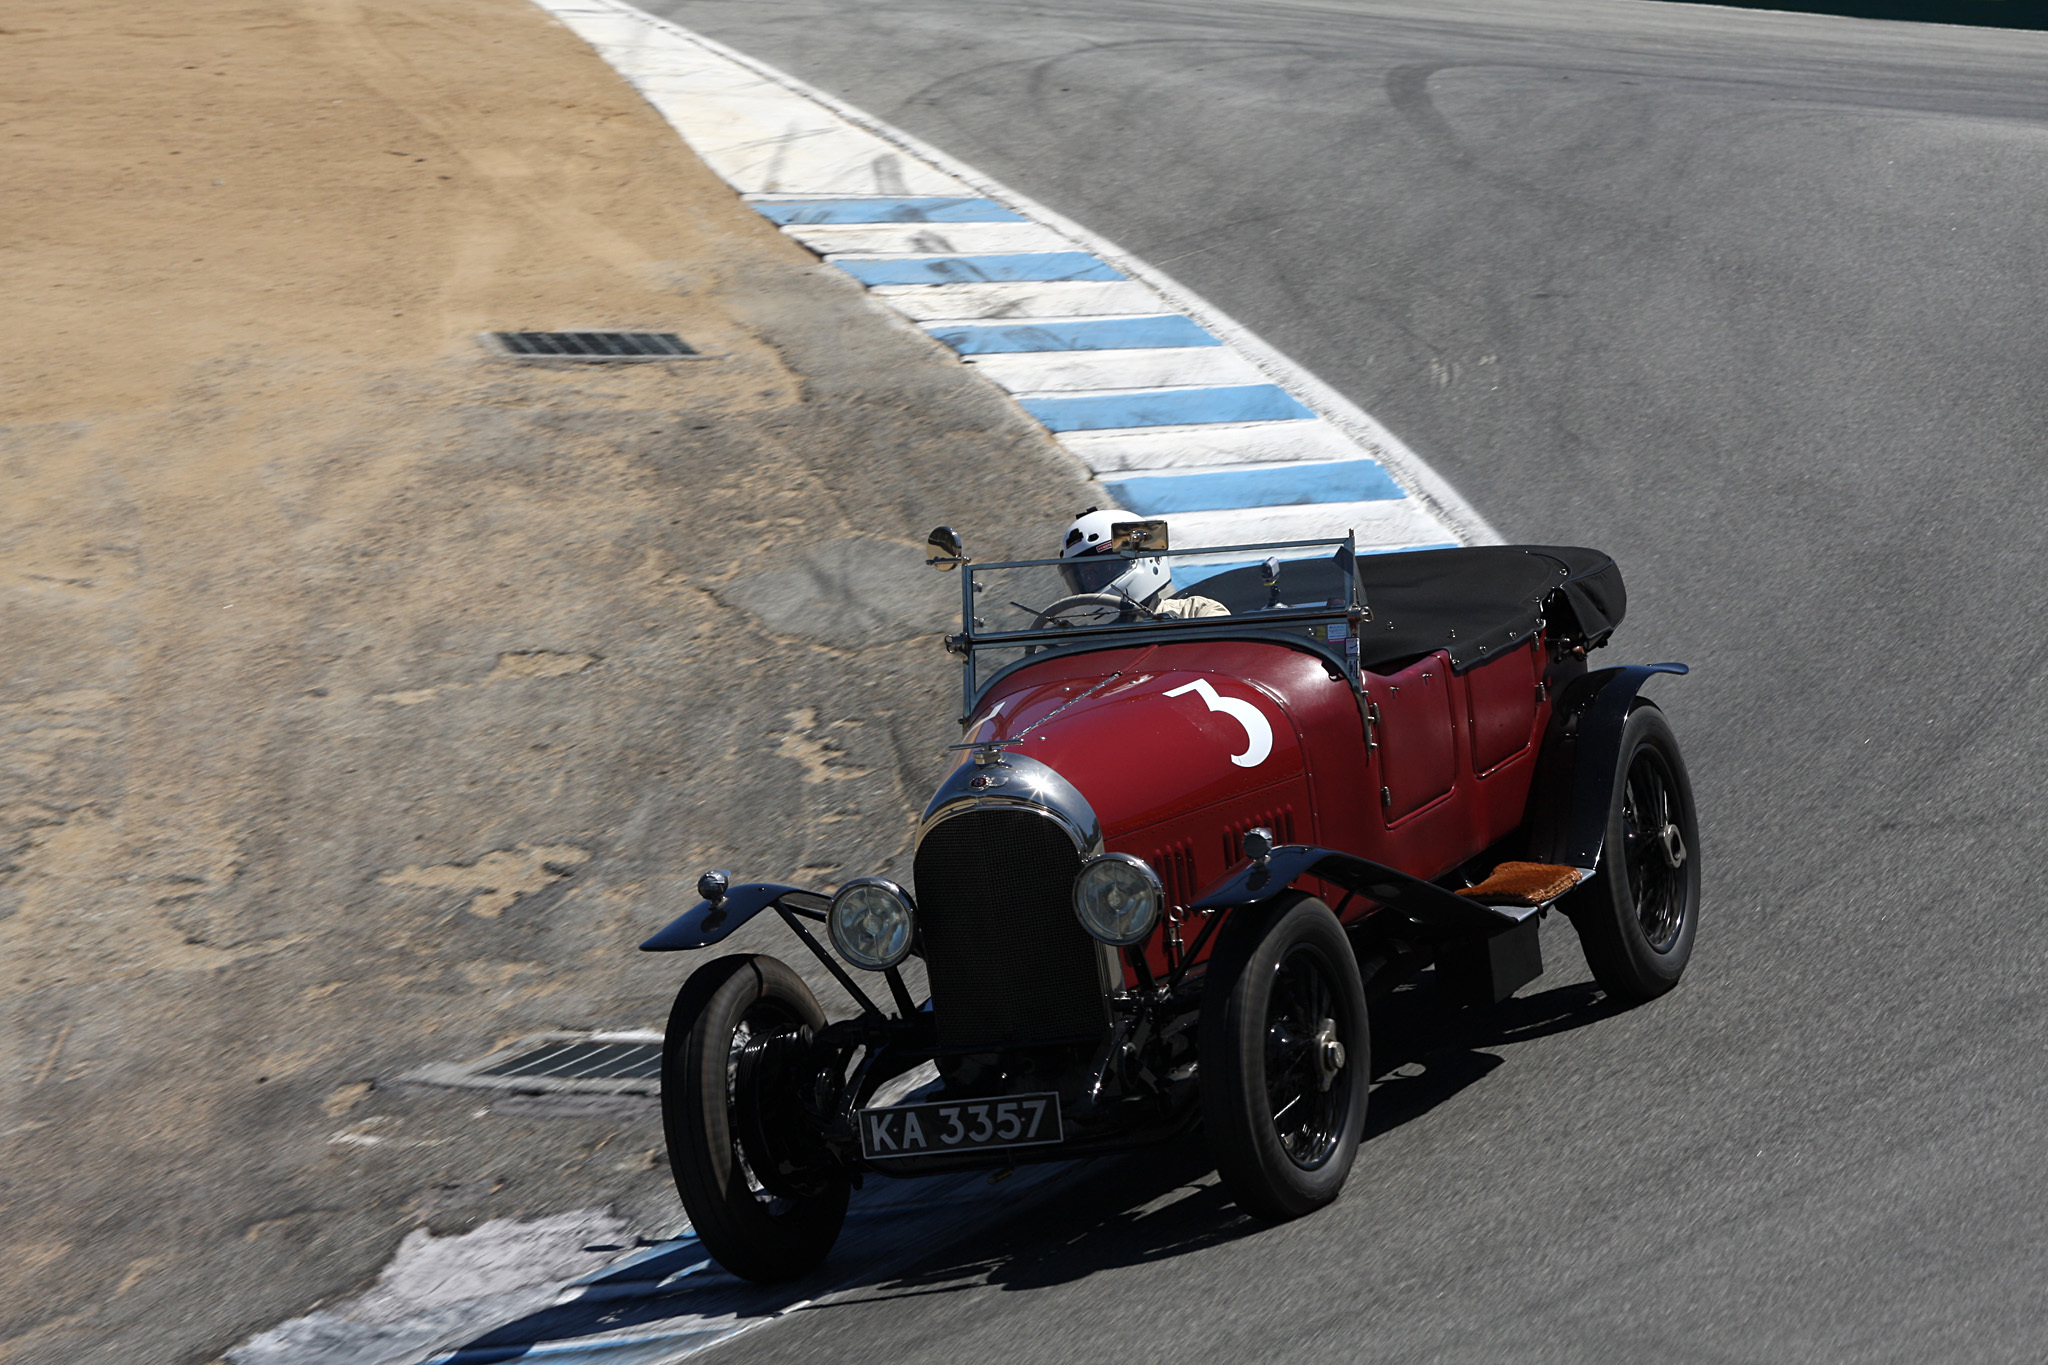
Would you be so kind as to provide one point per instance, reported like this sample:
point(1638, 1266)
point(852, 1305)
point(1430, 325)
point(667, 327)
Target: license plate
point(967, 1126)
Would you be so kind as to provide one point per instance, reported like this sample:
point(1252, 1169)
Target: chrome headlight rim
point(838, 924)
point(1151, 882)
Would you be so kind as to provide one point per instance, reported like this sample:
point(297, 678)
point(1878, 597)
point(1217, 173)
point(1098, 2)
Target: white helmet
point(1093, 567)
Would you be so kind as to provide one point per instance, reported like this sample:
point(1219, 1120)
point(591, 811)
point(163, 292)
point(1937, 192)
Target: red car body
point(1444, 774)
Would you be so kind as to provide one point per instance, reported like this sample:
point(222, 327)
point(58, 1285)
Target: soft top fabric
point(1477, 602)
point(1474, 603)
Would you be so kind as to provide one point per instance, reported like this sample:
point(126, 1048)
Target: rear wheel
point(756, 1188)
point(1285, 1057)
point(1639, 913)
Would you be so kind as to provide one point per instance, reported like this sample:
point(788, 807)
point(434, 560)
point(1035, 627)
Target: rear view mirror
point(947, 551)
point(1138, 537)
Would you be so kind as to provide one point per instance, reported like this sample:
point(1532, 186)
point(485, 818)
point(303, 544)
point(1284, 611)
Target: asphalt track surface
point(1755, 301)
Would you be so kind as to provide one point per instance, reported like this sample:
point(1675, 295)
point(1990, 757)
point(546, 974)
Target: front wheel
point(1639, 913)
point(757, 1192)
point(1286, 1057)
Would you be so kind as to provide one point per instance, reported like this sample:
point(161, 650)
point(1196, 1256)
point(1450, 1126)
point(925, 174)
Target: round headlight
point(1118, 899)
point(871, 923)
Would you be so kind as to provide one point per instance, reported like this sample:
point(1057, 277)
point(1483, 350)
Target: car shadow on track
point(1111, 1212)
point(1155, 1205)
point(1425, 1051)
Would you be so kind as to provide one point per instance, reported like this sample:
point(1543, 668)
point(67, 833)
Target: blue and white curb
point(1178, 410)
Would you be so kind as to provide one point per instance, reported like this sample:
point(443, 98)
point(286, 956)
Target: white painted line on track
point(1008, 302)
point(1213, 446)
point(1162, 367)
point(1075, 327)
point(925, 239)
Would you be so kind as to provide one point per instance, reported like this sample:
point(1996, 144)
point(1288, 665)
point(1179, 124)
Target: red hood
point(1108, 725)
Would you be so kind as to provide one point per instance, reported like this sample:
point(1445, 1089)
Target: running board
point(1440, 912)
point(1524, 889)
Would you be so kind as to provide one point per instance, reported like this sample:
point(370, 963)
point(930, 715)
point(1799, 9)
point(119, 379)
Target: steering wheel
point(1082, 599)
point(1075, 603)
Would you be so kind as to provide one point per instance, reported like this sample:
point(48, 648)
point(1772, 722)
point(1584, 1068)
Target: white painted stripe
point(1152, 449)
point(927, 239)
point(1163, 367)
point(1386, 524)
point(995, 302)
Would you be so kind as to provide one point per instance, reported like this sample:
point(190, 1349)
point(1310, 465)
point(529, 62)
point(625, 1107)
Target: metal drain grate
point(585, 1062)
point(591, 345)
point(627, 1063)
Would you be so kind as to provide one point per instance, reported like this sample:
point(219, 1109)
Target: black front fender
point(1574, 786)
point(704, 924)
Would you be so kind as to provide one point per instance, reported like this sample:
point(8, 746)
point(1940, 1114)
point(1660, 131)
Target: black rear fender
point(1574, 783)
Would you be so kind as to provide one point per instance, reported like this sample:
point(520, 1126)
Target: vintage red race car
point(1183, 846)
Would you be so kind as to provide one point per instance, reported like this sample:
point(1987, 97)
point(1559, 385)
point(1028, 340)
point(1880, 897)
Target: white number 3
point(1257, 732)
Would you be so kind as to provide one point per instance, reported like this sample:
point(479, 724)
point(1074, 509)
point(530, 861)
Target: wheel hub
point(1672, 845)
point(1329, 1054)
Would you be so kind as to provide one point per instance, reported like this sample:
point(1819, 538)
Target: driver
point(1091, 566)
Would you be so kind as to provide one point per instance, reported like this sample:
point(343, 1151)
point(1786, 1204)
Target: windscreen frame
point(1283, 625)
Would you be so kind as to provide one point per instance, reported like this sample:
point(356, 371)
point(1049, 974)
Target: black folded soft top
point(1475, 602)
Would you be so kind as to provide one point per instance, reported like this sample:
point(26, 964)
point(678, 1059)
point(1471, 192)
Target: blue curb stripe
point(1030, 266)
point(806, 212)
point(1079, 334)
point(1167, 408)
point(1284, 486)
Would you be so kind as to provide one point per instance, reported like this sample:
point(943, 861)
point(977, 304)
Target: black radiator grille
point(1008, 961)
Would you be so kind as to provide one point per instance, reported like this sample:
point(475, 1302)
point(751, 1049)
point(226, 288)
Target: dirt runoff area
point(365, 698)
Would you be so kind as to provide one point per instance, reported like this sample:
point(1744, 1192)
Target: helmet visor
point(1093, 572)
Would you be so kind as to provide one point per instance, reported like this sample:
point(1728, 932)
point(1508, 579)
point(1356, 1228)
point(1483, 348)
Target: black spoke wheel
point(755, 1181)
point(1286, 1056)
point(1638, 915)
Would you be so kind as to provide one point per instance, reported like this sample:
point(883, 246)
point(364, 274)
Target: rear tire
point(1283, 1111)
point(1639, 913)
point(726, 1110)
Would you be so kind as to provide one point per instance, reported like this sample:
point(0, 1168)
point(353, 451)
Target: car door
point(1418, 751)
point(1501, 708)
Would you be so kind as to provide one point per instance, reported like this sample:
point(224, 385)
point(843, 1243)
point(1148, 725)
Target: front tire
point(728, 1113)
point(1638, 915)
point(1286, 1057)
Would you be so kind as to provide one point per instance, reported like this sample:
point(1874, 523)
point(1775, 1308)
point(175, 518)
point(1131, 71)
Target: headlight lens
point(1118, 899)
point(871, 923)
